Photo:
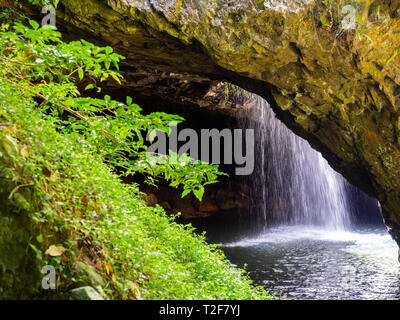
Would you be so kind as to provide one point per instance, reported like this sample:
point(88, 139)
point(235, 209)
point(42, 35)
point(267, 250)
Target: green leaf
point(39, 238)
point(152, 135)
point(185, 192)
point(80, 73)
point(36, 250)
point(108, 50)
point(34, 24)
point(115, 77)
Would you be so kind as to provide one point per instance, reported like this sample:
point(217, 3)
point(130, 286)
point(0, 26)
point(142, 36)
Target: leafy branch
point(36, 61)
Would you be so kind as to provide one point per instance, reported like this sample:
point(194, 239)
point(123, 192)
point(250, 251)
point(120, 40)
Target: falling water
point(294, 183)
point(305, 249)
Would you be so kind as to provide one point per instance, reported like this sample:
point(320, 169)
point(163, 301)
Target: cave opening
point(248, 204)
point(285, 187)
point(301, 229)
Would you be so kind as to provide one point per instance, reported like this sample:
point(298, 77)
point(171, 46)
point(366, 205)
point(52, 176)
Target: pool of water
point(309, 263)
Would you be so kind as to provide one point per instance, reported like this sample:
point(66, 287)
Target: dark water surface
point(304, 262)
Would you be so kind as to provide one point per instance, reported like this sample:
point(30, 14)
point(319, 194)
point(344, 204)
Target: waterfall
point(292, 183)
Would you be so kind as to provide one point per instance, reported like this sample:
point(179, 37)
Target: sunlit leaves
point(36, 60)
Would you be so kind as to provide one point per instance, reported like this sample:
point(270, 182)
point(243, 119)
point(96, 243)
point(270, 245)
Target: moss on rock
point(20, 274)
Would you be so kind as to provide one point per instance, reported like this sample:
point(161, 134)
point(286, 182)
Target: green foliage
point(36, 61)
point(72, 147)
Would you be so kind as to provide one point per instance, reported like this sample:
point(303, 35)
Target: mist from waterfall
point(306, 233)
point(292, 183)
point(302, 231)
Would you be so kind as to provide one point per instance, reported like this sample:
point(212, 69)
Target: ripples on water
point(297, 187)
point(309, 263)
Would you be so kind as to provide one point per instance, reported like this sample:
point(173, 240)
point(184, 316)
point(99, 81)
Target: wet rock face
point(329, 72)
point(219, 199)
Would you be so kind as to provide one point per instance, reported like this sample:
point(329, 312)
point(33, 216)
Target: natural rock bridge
point(332, 80)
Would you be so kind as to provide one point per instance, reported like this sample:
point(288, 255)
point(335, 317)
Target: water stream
point(311, 263)
point(297, 185)
point(309, 246)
